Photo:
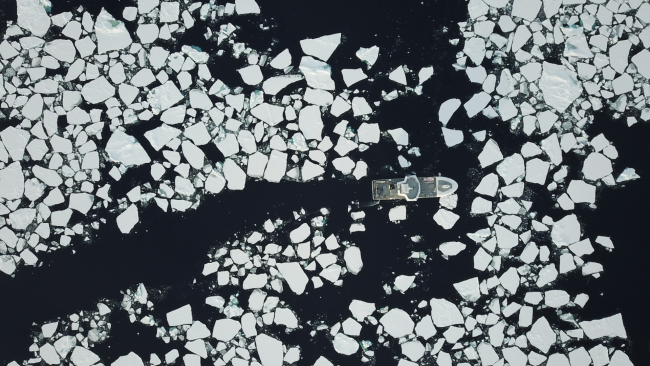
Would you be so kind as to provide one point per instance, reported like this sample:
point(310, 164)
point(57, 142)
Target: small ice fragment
point(251, 75)
point(451, 248)
point(98, 90)
point(345, 345)
point(246, 7)
point(452, 137)
point(444, 313)
point(321, 47)
point(541, 335)
point(361, 309)
point(131, 359)
point(400, 136)
point(235, 176)
point(274, 85)
point(581, 192)
point(294, 275)
point(310, 171)
point(83, 357)
point(490, 154)
point(559, 85)
point(477, 103)
point(468, 289)
point(282, 60)
point(627, 175)
point(446, 219)
point(398, 75)
point(475, 49)
point(112, 34)
point(352, 258)
point(397, 213)
point(606, 327)
point(310, 122)
point(360, 106)
point(127, 219)
point(447, 110)
point(397, 323)
point(225, 329)
point(403, 283)
point(353, 76)
point(605, 241)
point(317, 73)
point(425, 74)
point(369, 133)
point(125, 149)
point(368, 55)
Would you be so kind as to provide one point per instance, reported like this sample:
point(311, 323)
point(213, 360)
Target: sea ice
point(345, 345)
point(446, 219)
point(445, 313)
point(490, 154)
point(559, 85)
point(321, 47)
point(606, 327)
point(127, 219)
point(111, 34)
point(294, 275)
point(397, 323)
point(368, 55)
point(447, 110)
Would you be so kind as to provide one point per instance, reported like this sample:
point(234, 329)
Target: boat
point(411, 188)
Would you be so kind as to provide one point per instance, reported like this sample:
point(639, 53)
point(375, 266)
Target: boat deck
point(411, 188)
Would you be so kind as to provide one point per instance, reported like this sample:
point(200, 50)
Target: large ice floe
point(80, 86)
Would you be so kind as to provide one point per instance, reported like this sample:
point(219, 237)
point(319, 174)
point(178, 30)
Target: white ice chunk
point(274, 85)
point(345, 345)
point(447, 110)
point(397, 323)
point(559, 85)
point(452, 137)
point(125, 149)
point(368, 55)
point(511, 168)
point(451, 248)
point(225, 329)
point(490, 154)
point(541, 335)
point(596, 166)
point(251, 75)
point(397, 213)
point(606, 327)
point(321, 47)
point(282, 60)
point(444, 313)
point(446, 219)
point(97, 90)
point(235, 176)
point(33, 16)
point(127, 219)
point(398, 75)
point(294, 275)
point(317, 73)
point(310, 122)
point(112, 34)
point(83, 357)
point(164, 96)
point(353, 76)
point(468, 289)
point(247, 7)
point(352, 258)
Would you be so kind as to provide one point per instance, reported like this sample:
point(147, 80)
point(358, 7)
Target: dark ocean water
point(167, 251)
